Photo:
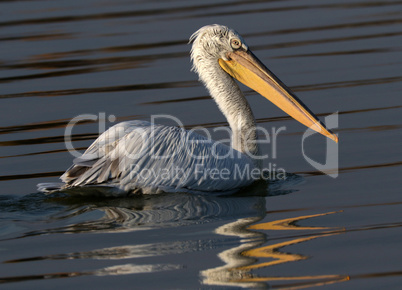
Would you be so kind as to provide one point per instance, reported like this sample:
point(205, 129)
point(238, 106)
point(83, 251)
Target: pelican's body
point(138, 156)
point(121, 162)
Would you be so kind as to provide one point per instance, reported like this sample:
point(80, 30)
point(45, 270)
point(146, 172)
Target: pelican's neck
point(235, 107)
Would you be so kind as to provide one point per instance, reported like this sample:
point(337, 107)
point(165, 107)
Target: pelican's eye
point(235, 43)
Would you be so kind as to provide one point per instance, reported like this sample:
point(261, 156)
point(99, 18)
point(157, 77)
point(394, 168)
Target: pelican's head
point(215, 41)
point(219, 46)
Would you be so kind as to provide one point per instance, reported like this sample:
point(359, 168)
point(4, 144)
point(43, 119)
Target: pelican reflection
point(252, 254)
point(233, 227)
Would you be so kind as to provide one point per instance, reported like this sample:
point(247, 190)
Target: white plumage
point(140, 157)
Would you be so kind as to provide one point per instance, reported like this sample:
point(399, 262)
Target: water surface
point(130, 60)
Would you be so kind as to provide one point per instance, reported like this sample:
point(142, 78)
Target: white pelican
point(140, 157)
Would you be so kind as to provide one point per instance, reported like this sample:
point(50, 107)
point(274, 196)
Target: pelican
point(141, 157)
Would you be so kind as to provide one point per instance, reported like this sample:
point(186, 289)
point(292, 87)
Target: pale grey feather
point(157, 158)
point(122, 155)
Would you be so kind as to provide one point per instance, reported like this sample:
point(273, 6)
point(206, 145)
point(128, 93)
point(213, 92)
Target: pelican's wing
point(138, 155)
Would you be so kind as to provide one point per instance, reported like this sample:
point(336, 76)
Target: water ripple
point(88, 49)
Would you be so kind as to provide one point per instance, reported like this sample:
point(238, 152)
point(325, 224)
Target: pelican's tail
point(50, 187)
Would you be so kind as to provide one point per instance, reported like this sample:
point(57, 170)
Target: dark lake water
point(123, 60)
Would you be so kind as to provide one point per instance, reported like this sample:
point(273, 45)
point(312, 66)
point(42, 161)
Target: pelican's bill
point(249, 70)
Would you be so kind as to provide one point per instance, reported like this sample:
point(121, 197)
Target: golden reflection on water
point(250, 255)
